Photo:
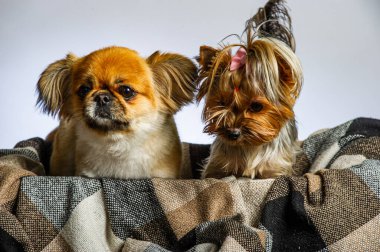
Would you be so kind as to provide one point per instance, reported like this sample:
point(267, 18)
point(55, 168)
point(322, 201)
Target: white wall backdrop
point(338, 42)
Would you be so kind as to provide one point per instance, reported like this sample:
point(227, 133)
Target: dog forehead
point(114, 62)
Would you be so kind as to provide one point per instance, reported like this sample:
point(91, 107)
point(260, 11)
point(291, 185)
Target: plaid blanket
point(332, 205)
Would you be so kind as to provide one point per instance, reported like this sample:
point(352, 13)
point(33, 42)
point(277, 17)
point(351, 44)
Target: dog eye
point(127, 92)
point(256, 107)
point(83, 91)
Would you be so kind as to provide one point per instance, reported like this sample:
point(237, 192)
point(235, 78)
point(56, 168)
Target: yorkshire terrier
point(249, 98)
point(116, 112)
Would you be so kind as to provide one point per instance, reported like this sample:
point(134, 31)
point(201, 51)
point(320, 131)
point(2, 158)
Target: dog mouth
point(103, 113)
point(104, 119)
point(239, 137)
point(232, 139)
point(229, 136)
point(103, 123)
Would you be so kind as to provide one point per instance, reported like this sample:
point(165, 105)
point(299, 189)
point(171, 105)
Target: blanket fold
point(333, 204)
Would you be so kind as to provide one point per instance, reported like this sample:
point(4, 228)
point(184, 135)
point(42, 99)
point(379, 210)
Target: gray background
point(337, 41)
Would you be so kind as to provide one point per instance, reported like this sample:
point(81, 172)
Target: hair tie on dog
point(238, 60)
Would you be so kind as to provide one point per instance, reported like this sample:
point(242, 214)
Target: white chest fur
point(122, 155)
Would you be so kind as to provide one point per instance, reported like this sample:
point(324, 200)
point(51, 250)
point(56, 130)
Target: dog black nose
point(102, 99)
point(233, 134)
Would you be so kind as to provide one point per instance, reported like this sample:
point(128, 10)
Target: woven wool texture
point(333, 204)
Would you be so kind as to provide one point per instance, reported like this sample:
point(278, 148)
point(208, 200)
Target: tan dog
point(116, 113)
point(249, 98)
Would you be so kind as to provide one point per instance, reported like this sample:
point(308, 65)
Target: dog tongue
point(238, 60)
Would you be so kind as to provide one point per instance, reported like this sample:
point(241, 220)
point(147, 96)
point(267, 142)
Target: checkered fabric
point(333, 204)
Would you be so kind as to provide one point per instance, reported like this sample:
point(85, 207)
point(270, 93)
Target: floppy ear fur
point(290, 72)
point(212, 63)
point(206, 57)
point(53, 87)
point(174, 76)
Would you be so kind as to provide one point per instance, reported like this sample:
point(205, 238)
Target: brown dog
point(116, 112)
point(249, 98)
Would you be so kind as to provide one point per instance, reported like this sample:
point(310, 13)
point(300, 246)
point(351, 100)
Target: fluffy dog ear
point(210, 61)
point(290, 74)
point(174, 75)
point(206, 57)
point(53, 87)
